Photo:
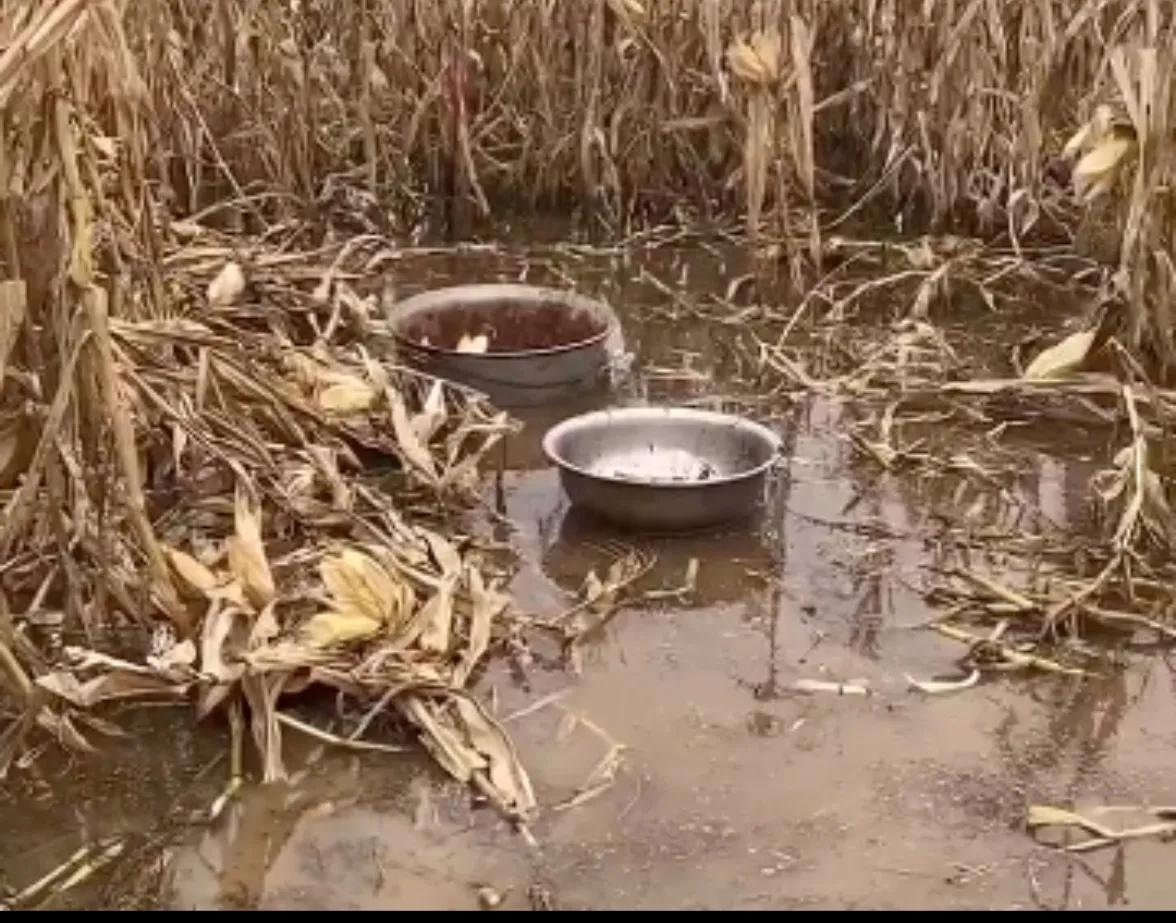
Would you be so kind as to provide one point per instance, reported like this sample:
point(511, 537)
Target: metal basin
point(544, 344)
point(663, 468)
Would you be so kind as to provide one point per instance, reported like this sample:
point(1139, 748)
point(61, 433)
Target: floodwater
point(731, 790)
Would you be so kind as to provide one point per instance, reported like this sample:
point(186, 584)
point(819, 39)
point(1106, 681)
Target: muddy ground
point(731, 791)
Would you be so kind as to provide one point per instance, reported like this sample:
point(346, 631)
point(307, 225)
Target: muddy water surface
point(730, 790)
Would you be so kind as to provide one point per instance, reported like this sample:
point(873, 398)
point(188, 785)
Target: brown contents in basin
point(509, 327)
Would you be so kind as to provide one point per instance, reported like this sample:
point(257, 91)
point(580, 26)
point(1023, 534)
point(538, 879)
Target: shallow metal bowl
point(663, 468)
point(544, 344)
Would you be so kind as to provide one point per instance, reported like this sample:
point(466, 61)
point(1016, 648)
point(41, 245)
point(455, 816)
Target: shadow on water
point(734, 791)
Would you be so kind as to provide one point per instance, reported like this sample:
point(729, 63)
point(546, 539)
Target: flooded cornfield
point(766, 718)
point(383, 388)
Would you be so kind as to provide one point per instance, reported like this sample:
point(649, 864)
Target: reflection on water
point(523, 450)
point(581, 543)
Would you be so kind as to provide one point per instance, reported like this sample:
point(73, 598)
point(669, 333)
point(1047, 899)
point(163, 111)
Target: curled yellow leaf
point(1062, 359)
point(1096, 172)
point(330, 629)
point(360, 586)
point(306, 370)
point(347, 394)
point(756, 61)
point(1091, 132)
point(247, 558)
point(628, 11)
point(227, 287)
point(192, 572)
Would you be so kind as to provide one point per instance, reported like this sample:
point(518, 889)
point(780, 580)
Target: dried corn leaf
point(377, 80)
point(13, 305)
point(1154, 508)
point(64, 731)
point(1090, 133)
point(306, 371)
point(192, 572)
point(437, 619)
point(464, 474)
point(176, 660)
point(821, 685)
point(81, 659)
point(432, 417)
point(264, 629)
point(504, 769)
point(419, 621)
point(335, 629)
point(593, 589)
point(630, 12)
point(18, 440)
point(228, 286)
point(108, 687)
point(1062, 359)
point(246, 553)
point(216, 644)
point(326, 462)
point(1105, 157)
point(1161, 827)
point(487, 604)
point(1042, 815)
point(756, 61)
point(1095, 173)
point(1103, 185)
point(231, 593)
point(1013, 657)
point(360, 586)
point(1077, 142)
point(262, 694)
point(187, 230)
point(446, 746)
point(938, 687)
point(101, 725)
point(446, 556)
point(415, 452)
point(347, 395)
